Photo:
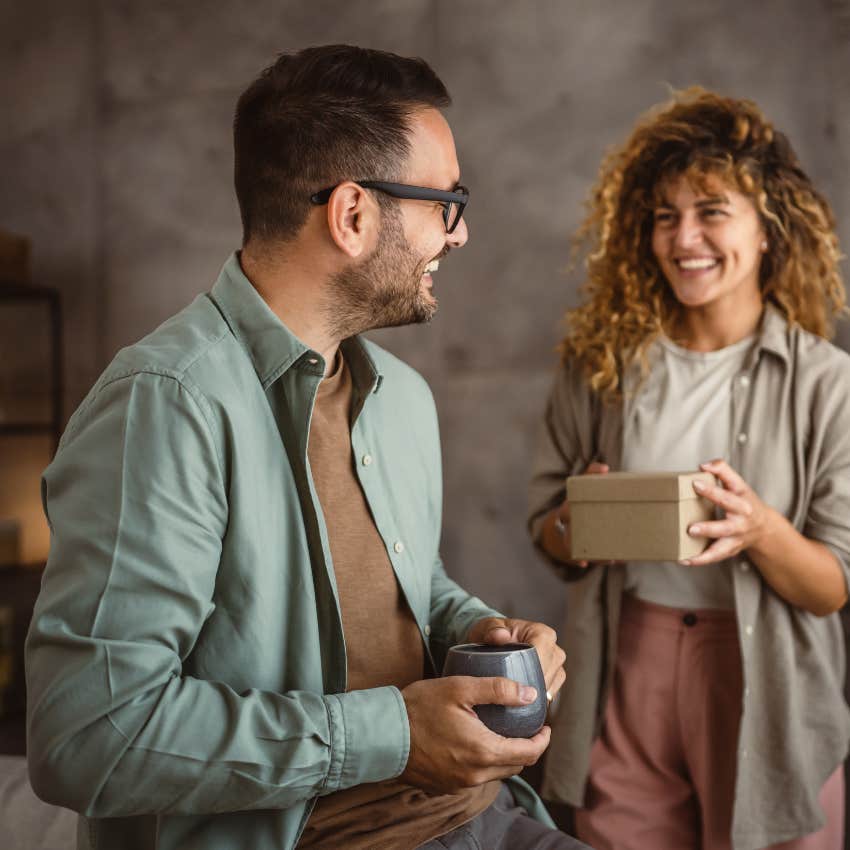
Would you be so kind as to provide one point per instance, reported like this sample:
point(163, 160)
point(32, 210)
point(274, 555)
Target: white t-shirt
point(679, 418)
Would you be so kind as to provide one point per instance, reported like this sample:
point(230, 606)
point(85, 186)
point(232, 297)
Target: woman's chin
point(693, 297)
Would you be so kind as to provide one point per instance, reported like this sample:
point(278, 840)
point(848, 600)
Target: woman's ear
point(353, 219)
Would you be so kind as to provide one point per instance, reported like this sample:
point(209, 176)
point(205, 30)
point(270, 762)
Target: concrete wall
point(115, 157)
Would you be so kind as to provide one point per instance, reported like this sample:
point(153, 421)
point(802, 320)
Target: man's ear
point(353, 219)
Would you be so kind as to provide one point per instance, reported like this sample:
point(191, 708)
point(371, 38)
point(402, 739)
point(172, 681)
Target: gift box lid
point(635, 486)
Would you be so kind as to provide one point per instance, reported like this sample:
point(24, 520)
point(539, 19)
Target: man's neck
point(294, 292)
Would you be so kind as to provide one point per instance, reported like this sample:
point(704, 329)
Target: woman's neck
point(716, 326)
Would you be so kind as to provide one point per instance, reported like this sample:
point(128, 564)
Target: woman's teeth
point(697, 263)
point(432, 266)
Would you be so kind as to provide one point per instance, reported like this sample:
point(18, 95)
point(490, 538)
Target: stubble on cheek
point(385, 290)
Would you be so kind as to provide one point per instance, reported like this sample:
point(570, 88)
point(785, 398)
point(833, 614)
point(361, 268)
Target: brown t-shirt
point(383, 646)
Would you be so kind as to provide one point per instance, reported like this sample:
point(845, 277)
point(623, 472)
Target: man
point(244, 596)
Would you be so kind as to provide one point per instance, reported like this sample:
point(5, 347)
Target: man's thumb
point(501, 691)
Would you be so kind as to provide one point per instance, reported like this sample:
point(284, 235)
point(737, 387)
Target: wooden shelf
point(19, 588)
point(20, 429)
point(11, 292)
point(13, 735)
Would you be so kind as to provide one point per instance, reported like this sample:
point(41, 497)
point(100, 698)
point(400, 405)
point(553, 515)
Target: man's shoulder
point(176, 347)
point(174, 357)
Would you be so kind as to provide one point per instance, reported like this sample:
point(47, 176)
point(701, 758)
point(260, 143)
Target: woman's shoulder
point(807, 352)
point(573, 383)
point(572, 371)
point(574, 399)
point(811, 351)
point(819, 372)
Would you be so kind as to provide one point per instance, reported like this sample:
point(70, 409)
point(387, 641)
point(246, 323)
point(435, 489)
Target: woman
point(704, 705)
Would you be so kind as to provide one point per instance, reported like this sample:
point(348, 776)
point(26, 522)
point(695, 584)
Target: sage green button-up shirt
point(186, 661)
point(791, 443)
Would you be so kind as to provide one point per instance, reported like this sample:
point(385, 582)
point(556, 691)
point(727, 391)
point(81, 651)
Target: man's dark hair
point(320, 116)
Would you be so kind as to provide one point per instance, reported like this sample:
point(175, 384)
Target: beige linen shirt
point(791, 427)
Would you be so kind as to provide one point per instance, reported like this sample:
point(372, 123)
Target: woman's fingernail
point(685, 563)
point(699, 486)
point(695, 530)
point(527, 694)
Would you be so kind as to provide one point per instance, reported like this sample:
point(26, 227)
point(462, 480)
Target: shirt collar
point(772, 335)
point(272, 347)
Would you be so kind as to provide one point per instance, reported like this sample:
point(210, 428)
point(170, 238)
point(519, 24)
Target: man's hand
point(450, 748)
point(496, 630)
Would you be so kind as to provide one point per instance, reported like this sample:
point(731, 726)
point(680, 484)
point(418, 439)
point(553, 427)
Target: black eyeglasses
point(453, 202)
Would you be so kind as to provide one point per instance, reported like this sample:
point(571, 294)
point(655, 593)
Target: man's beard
point(383, 291)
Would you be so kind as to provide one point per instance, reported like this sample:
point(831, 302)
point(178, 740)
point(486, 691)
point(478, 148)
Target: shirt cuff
point(370, 737)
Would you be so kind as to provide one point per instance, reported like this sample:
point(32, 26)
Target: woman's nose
point(688, 234)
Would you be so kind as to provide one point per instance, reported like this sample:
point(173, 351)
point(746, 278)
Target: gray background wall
point(115, 157)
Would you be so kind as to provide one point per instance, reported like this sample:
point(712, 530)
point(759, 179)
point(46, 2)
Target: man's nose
point(458, 238)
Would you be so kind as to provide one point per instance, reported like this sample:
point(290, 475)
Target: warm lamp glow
point(22, 460)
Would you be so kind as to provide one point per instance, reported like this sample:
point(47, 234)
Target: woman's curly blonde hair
point(698, 134)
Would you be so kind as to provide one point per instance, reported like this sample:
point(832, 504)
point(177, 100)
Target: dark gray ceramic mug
point(517, 661)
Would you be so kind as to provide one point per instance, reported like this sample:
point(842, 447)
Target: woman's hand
point(804, 572)
point(747, 517)
point(556, 528)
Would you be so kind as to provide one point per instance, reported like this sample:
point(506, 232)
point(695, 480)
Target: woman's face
point(708, 243)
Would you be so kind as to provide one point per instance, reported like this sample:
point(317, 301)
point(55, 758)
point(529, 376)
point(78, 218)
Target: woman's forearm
point(802, 571)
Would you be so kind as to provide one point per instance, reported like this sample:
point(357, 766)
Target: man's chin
point(426, 305)
point(418, 314)
point(420, 317)
point(426, 311)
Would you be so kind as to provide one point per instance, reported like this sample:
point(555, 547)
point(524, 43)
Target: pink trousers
point(662, 773)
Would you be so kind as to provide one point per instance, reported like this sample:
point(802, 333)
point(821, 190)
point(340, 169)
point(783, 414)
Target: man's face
point(394, 284)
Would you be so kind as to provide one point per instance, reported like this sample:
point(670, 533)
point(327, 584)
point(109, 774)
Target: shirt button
point(743, 754)
point(427, 630)
point(398, 547)
point(312, 360)
point(742, 438)
point(748, 631)
point(744, 566)
point(744, 381)
point(366, 460)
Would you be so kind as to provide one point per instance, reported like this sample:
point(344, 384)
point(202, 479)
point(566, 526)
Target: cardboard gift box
point(636, 516)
